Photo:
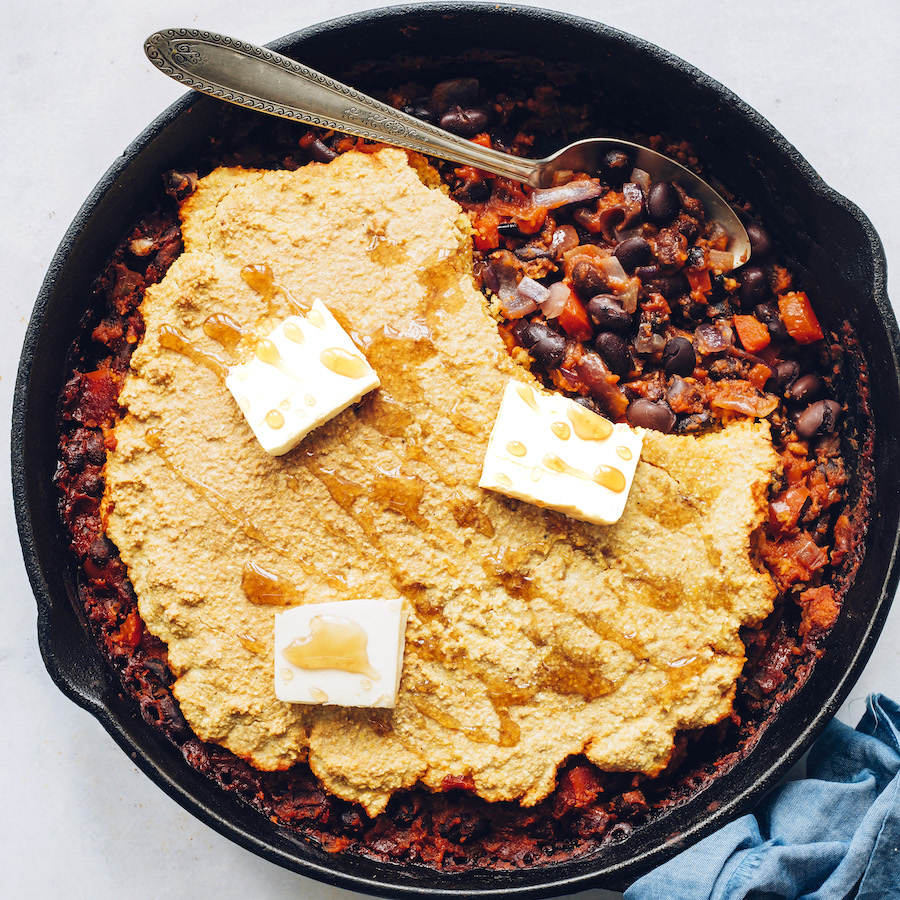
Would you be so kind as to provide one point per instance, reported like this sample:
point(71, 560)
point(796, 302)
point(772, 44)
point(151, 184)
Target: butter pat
point(344, 653)
point(302, 374)
point(549, 450)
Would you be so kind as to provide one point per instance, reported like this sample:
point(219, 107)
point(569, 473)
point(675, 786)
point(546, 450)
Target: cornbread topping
point(531, 637)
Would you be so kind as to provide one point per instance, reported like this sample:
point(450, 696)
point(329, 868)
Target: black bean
point(671, 286)
point(421, 111)
point(695, 258)
point(768, 314)
point(643, 413)
point(73, 456)
point(588, 279)
point(608, 314)
point(616, 166)
point(508, 229)
point(320, 151)
point(477, 192)
point(91, 483)
point(760, 242)
point(784, 374)
point(663, 202)
point(754, 286)
point(634, 252)
point(546, 346)
point(805, 389)
point(614, 352)
point(100, 550)
point(679, 357)
point(818, 418)
point(529, 333)
point(455, 92)
point(94, 448)
point(465, 122)
point(647, 272)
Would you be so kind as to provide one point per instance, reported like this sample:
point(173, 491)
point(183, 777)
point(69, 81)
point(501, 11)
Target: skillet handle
point(268, 82)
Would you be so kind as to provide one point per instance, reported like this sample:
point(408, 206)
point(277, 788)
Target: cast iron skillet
point(831, 242)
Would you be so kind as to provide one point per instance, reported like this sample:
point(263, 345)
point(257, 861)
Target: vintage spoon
point(266, 81)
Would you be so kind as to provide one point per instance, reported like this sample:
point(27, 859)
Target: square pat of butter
point(549, 450)
point(343, 653)
point(301, 375)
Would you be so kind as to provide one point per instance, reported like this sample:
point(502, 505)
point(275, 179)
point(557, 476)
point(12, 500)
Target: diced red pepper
point(574, 319)
point(531, 219)
point(699, 280)
point(753, 334)
point(129, 635)
point(486, 236)
point(798, 317)
point(759, 375)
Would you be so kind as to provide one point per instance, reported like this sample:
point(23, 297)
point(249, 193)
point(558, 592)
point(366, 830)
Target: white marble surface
point(78, 819)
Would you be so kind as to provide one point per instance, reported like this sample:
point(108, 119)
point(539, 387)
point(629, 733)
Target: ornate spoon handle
point(261, 79)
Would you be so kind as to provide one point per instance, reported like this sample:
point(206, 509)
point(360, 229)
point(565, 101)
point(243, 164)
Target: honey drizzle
point(224, 507)
point(265, 588)
point(333, 642)
point(606, 476)
point(251, 644)
point(172, 338)
point(339, 361)
point(224, 330)
point(261, 278)
point(588, 425)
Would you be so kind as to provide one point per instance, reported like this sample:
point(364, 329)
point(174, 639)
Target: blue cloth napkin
point(830, 836)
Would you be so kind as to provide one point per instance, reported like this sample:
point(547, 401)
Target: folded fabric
point(830, 836)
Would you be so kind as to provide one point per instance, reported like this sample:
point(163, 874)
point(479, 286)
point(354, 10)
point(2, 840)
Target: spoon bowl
point(261, 79)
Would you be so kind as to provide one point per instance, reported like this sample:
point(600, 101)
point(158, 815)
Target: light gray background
point(78, 819)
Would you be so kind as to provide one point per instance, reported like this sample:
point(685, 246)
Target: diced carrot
point(483, 139)
point(799, 318)
point(574, 319)
point(753, 334)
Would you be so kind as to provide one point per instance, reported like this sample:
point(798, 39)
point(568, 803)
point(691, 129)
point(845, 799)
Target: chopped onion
point(648, 342)
point(573, 192)
point(529, 289)
point(564, 238)
point(613, 271)
point(597, 378)
point(500, 276)
point(517, 306)
point(562, 176)
point(557, 298)
point(712, 338)
point(629, 297)
point(641, 179)
point(721, 261)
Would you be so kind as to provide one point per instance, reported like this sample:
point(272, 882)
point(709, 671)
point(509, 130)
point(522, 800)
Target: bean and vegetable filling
point(613, 289)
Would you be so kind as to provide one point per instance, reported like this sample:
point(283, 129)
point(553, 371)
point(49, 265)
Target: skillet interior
point(639, 88)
